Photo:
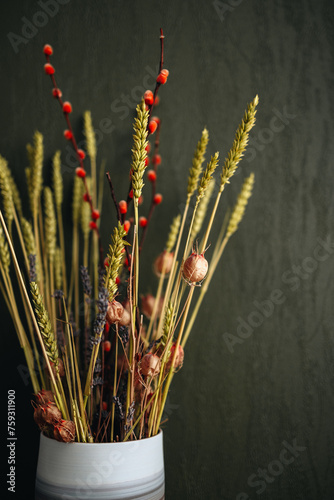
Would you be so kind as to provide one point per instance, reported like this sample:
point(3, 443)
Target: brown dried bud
point(38, 417)
point(178, 361)
point(150, 365)
point(114, 312)
point(126, 318)
point(64, 431)
point(147, 305)
point(50, 413)
point(44, 396)
point(195, 268)
point(60, 367)
point(164, 261)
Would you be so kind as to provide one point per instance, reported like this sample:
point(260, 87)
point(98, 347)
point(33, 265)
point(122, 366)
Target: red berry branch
point(69, 135)
point(156, 198)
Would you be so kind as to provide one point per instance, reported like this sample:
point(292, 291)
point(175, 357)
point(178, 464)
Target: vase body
point(100, 471)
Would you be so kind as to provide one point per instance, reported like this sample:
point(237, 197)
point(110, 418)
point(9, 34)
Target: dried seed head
point(38, 417)
point(64, 431)
point(114, 312)
point(195, 268)
point(163, 261)
point(50, 414)
point(178, 361)
point(44, 396)
point(150, 365)
point(126, 318)
point(147, 305)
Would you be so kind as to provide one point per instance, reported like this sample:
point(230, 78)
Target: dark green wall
point(231, 411)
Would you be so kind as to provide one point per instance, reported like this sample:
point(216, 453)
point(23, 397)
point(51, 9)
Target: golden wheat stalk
point(198, 159)
point(6, 193)
point(139, 152)
point(114, 259)
point(240, 142)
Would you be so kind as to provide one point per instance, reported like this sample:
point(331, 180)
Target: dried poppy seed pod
point(50, 413)
point(178, 361)
point(64, 431)
point(38, 417)
point(163, 261)
point(114, 312)
point(44, 396)
point(126, 318)
point(150, 365)
point(195, 268)
point(147, 305)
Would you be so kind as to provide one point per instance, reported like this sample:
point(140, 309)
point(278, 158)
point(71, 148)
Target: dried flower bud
point(147, 305)
point(150, 365)
point(114, 312)
point(163, 261)
point(178, 361)
point(64, 431)
point(162, 77)
point(50, 414)
point(44, 396)
point(148, 97)
point(126, 318)
point(38, 417)
point(49, 69)
point(48, 50)
point(195, 268)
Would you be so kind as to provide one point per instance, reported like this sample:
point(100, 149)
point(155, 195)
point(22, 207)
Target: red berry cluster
point(69, 135)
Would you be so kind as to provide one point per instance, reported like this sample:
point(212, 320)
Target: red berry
point(148, 97)
point(93, 225)
point(49, 69)
point(106, 346)
point(127, 226)
point(151, 175)
point(142, 221)
point(156, 160)
point(148, 147)
point(68, 134)
point(48, 50)
point(157, 199)
point(67, 107)
point(86, 197)
point(140, 200)
point(81, 154)
point(57, 93)
point(104, 404)
point(95, 214)
point(152, 126)
point(106, 262)
point(118, 281)
point(131, 194)
point(147, 161)
point(123, 207)
point(156, 119)
point(106, 327)
point(81, 172)
point(162, 76)
point(156, 100)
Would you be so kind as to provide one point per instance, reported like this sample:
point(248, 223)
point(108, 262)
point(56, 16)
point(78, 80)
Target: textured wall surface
point(240, 400)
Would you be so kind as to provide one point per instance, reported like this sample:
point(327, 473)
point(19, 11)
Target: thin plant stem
point(20, 279)
point(62, 247)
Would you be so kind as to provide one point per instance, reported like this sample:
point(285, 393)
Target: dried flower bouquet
point(104, 374)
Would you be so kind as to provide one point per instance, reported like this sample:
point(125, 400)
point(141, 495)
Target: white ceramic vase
point(101, 471)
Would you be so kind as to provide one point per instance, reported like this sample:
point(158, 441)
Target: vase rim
point(160, 433)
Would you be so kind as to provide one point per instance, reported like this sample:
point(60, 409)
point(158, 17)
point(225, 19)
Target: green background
point(232, 407)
